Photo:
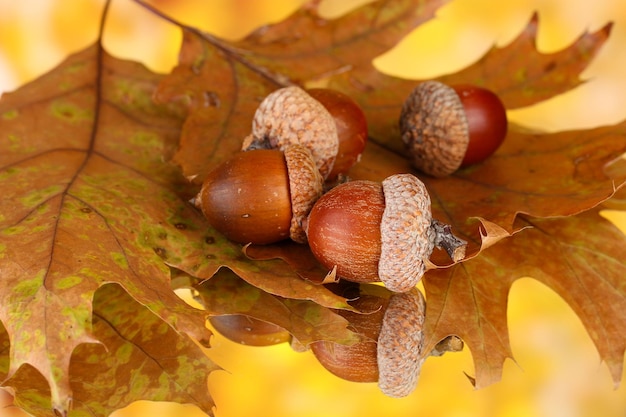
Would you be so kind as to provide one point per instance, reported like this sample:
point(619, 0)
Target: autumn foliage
point(99, 158)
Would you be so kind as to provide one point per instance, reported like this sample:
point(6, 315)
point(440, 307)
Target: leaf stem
point(445, 239)
point(280, 80)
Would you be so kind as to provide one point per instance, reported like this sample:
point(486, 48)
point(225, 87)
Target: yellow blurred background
point(557, 372)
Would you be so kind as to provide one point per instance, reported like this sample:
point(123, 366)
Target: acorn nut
point(384, 232)
point(392, 350)
point(351, 127)
point(261, 196)
point(330, 124)
point(448, 127)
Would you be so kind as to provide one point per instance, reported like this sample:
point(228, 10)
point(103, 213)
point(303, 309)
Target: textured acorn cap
point(434, 128)
point(290, 115)
point(407, 239)
point(400, 344)
point(305, 186)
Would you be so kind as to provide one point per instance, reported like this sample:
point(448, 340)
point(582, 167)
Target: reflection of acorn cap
point(400, 344)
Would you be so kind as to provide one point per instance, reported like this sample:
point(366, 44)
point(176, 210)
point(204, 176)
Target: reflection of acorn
point(378, 232)
point(247, 330)
point(445, 128)
point(391, 354)
point(261, 196)
point(330, 124)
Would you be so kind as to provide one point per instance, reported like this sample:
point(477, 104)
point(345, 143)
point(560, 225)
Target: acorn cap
point(407, 239)
point(434, 128)
point(400, 344)
point(290, 115)
point(305, 187)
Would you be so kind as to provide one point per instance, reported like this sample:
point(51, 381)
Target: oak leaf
point(580, 257)
point(542, 175)
point(96, 158)
point(139, 356)
point(533, 175)
point(87, 201)
point(519, 73)
point(223, 83)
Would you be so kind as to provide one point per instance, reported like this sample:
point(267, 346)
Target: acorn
point(261, 196)
point(329, 123)
point(446, 127)
point(391, 352)
point(372, 231)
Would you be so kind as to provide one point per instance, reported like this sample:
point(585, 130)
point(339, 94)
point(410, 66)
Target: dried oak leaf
point(223, 83)
point(618, 201)
point(582, 258)
point(543, 177)
point(519, 73)
point(139, 357)
point(87, 200)
point(89, 197)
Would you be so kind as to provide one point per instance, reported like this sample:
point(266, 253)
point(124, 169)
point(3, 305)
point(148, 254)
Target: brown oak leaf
point(223, 83)
point(582, 258)
point(532, 174)
point(135, 345)
point(95, 162)
point(542, 175)
point(87, 201)
point(517, 72)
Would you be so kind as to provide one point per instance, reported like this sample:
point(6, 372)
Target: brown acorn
point(446, 127)
point(384, 232)
point(261, 196)
point(330, 124)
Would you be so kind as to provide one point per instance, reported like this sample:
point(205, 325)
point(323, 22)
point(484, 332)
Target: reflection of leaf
point(581, 257)
point(140, 357)
point(225, 293)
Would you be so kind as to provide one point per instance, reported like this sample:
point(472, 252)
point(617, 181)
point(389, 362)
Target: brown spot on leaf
point(549, 66)
point(211, 99)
